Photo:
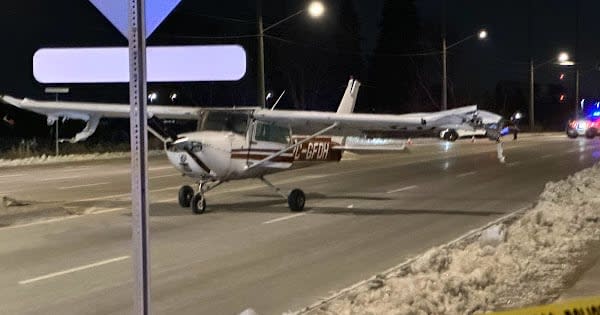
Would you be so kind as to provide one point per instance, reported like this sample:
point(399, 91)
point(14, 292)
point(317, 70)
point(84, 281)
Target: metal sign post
point(56, 91)
point(139, 157)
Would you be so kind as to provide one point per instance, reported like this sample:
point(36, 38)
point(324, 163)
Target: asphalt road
point(365, 214)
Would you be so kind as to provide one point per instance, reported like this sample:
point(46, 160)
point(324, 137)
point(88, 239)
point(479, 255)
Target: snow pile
point(527, 262)
point(51, 159)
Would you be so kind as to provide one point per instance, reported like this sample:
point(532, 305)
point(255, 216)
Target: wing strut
point(299, 143)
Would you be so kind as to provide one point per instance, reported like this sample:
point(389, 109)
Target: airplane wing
point(354, 124)
point(92, 112)
point(87, 110)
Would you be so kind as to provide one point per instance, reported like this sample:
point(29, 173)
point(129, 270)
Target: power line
point(215, 37)
point(416, 54)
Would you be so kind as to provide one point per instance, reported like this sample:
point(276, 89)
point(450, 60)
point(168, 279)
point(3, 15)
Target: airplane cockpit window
point(236, 122)
point(271, 132)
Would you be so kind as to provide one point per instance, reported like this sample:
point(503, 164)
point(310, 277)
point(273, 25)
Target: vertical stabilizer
point(349, 99)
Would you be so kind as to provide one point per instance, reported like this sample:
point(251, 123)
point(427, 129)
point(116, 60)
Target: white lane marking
point(161, 176)
point(103, 197)
point(84, 185)
point(547, 156)
point(124, 195)
point(285, 218)
point(572, 150)
point(315, 176)
point(48, 221)
point(12, 175)
point(74, 169)
point(166, 200)
point(39, 222)
point(108, 210)
point(165, 189)
point(60, 273)
point(402, 189)
point(10, 191)
point(513, 164)
point(58, 178)
point(158, 168)
point(466, 174)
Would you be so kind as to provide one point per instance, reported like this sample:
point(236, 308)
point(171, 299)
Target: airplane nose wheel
point(296, 200)
point(185, 196)
point(198, 203)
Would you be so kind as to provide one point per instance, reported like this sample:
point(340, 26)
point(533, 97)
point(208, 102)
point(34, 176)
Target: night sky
point(474, 66)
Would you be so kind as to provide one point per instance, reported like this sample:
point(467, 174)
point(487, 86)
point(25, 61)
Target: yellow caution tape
point(585, 306)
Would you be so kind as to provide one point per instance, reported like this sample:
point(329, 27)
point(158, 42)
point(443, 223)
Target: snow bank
point(50, 159)
point(527, 262)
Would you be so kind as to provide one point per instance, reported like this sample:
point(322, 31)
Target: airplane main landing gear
point(186, 193)
point(188, 198)
point(295, 199)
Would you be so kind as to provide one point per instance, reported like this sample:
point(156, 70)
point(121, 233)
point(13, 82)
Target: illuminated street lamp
point(565, 60)
point(152, 97)
point(315, 9)
point(481, 35)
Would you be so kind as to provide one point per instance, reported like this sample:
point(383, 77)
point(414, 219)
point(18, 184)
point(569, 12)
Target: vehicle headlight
point(582, 124)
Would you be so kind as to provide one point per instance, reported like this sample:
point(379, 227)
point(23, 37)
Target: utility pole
point(576, 58)
point(576, 92)
point(261, 56)
point(445, 76)
point(531, 69)
point(531, 96)
point(444, 69)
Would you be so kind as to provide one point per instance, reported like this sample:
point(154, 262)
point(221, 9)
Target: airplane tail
point(349, 99)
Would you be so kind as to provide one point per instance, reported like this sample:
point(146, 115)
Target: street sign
point(116, 12)
point(165, 64)
point(57, 90)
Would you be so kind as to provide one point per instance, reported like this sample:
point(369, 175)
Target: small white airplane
point(251, 142)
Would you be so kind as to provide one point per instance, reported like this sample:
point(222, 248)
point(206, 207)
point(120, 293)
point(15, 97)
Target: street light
point(152, 97)
point(173, 97)
point(563, 59)
point(315, 10)
point(481, 35)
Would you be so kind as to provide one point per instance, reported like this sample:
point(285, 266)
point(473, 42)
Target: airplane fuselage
point(226, 155)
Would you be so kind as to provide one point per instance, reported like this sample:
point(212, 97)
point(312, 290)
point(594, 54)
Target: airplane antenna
point(277, 101)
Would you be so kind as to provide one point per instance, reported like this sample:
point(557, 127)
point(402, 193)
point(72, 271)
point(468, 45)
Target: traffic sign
point(165, 64)
point(116, 12)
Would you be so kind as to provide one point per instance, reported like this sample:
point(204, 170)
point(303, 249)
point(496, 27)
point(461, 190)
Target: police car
point(587, 127)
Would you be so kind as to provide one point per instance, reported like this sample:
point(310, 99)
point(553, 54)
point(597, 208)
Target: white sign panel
point(165, 64)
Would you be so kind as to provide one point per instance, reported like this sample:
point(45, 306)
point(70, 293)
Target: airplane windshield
point(236, 122)
point(271, 132)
